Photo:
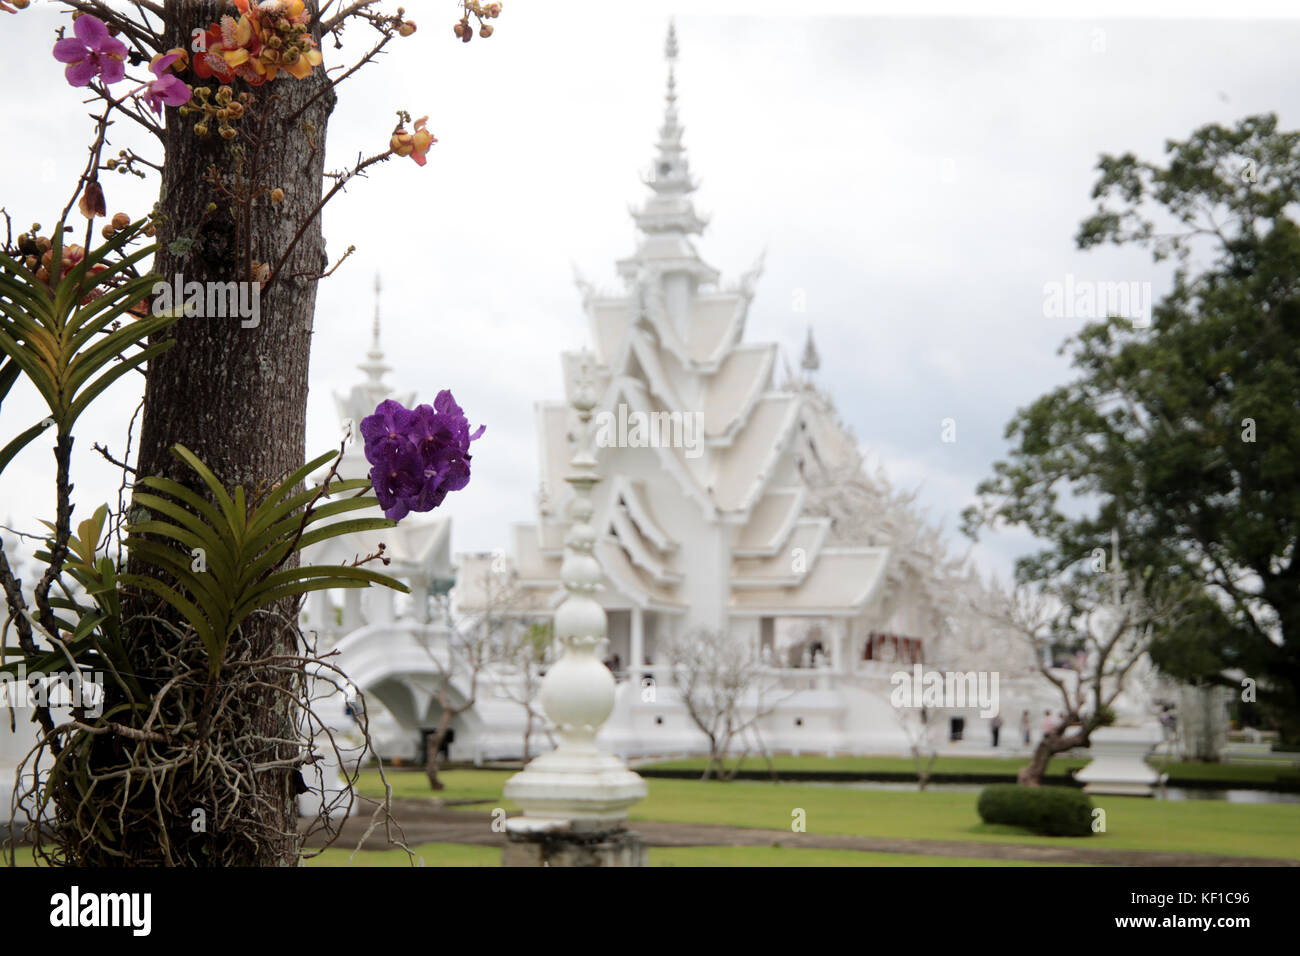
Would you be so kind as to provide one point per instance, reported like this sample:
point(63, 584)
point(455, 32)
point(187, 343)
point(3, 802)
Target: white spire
point(670, 209)
point(811, 360)
point(374, 366)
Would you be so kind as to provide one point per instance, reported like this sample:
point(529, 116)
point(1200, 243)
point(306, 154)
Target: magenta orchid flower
point(167, 88)
point(92, 52)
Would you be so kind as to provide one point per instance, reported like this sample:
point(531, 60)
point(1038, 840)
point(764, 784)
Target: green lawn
point(1194, 826)
point(460, 784)
point(1009, 766)
point(819, 764)
point(433, 854)
point(788, 856)
point(459, 854)
point(455, 854)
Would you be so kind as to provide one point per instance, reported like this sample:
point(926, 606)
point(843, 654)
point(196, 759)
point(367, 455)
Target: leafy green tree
point(1185, 436)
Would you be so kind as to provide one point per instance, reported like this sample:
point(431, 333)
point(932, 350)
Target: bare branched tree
point(468, 649)
point(725, 688)
point(922, 732)
point(1108, 620)
point(526, 655)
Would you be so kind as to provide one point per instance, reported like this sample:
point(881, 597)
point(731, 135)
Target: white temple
point(732, 499)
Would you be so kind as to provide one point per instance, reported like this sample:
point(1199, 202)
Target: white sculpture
point(577, 786)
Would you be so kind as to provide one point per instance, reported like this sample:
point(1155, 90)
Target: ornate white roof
point(727, 515)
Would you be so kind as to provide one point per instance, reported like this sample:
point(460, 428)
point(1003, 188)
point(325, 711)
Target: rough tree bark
point(1051, 744)
point(237, 396)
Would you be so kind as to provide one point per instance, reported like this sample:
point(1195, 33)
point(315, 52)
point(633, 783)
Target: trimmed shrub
point(1050, 811)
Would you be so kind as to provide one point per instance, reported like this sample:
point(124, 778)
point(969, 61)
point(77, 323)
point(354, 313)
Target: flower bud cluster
point(222, 107)
point(482, 12)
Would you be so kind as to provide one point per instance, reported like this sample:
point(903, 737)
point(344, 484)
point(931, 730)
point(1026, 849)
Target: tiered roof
point(671, 343)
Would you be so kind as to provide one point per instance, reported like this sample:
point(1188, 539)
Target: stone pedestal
point(532, 841)
point(1119, 762)
point(575, 798)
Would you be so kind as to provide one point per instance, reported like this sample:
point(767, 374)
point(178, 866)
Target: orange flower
point(414, 144)
point(229, 46)
point(268, 37)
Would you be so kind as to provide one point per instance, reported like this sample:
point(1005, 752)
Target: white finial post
point(811, 360)
point(575, 798)
point(374, 366)
point(670, 54)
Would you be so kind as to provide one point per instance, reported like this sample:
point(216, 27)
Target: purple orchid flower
point(398, 480)
point(418, 455)
point(385, 431)
point(167, 88)
point(92, 52)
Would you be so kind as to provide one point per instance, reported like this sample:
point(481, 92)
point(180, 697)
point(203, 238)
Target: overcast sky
point(918, 179)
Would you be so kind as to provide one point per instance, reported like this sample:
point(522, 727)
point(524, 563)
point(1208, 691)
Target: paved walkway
point(425, 822)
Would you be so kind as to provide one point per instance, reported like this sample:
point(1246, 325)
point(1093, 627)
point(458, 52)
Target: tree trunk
point(924, 765)
point(1031, 774)
point(237, 396)
point(709, 768)
point(432, 747)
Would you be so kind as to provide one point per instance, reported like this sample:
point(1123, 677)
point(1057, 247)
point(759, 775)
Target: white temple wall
point(707, 557)
point(810, 720)
point(377, 605)
point(649, 720)
point(352, 617)
point(677, 289)
point(874, 725)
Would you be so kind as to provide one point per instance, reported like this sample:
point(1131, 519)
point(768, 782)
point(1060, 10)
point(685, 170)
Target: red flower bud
point(91, 203)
